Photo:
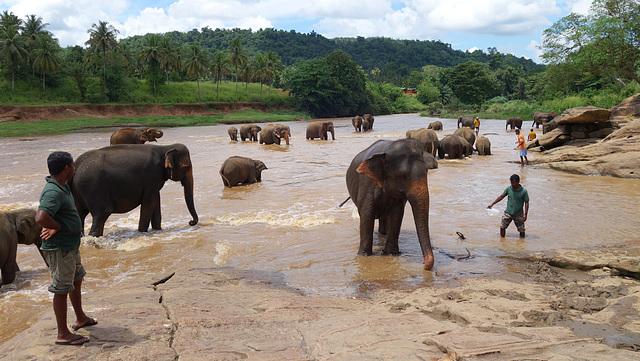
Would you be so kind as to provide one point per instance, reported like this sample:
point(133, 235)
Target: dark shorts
point(66, 268)
point(516, 218)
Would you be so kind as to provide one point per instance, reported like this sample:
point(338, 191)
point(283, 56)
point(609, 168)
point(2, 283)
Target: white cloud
point(534, 47)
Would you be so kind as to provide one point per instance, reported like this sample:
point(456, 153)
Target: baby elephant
point(17, 226)
point(233, 133)
point(238, 170)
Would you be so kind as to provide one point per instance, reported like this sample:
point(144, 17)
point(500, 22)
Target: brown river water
point(289, 225)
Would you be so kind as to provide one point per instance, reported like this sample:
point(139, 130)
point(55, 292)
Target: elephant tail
point(225, 180)
point(345, 201)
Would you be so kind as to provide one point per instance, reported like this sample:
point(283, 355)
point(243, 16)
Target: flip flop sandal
point(91, 322)
point(71, 342)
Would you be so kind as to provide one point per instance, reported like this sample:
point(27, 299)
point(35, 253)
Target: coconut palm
point(261, 70)
point(102, 38)
point(151, 54)
point(274, 65)
point(32, 29)
point(8, 19)
point(237, 56)
point(246, 73)
point(170, 59)
point(45, 56)
point(196, 64)
point(13, 50)
point(218, 67)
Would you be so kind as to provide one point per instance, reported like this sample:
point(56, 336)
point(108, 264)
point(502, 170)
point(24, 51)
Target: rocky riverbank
point(587, 310)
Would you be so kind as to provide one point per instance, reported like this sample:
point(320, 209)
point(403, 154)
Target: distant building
point(409, 91)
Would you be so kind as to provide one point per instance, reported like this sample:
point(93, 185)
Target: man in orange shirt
point(522, 147)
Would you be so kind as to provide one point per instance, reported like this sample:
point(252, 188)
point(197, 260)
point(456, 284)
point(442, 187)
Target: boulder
point(552, 139)
point(588, 114)
point(626, 111)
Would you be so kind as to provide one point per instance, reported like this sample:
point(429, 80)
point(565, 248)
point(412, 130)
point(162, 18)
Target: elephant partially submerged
point(539, 118)
point(320, 129)
point(16, 227)
point(465, 122)
point(427, 137)
point(119, 178)
point(437, 125)
point(250, 131)
point(483, 145)
point(273, 133)
point(357, 123)
point(233, 133)
point(368, 118)
point(381, 179)
point(135, 136)
point(467, 134)
point(238, 170)
point(514, 123)
point(454, 146)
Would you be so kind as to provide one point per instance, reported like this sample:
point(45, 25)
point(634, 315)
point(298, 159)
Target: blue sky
point(512, 26)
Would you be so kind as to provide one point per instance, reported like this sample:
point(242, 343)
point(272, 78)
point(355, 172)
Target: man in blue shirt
point(518, 197)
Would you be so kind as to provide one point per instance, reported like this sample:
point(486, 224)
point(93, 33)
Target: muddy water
point(289, 225)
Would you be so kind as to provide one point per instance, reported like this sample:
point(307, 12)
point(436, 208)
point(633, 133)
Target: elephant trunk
point(187, 184)
point(286, 137)
point(418, 196)
point(333, 135)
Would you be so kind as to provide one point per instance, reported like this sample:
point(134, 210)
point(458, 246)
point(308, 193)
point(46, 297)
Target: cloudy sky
point(512, 26)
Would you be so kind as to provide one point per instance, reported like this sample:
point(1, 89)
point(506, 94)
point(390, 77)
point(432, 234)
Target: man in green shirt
point(518, 197)
point(61, 233)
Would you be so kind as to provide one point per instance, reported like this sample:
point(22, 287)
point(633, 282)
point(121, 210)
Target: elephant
point(273, 133)
point(427, 137)
point(237, 170)
point(117, 179)
point(366, 126)
point(483, 146)
point(368, 118)
point(467, 134)
point(357, 123)
point(437, 125)
point(135, 136)
point(380, 180)
point(233, 133)
point(453, 145)
point(466, 122)
point(319, 129)
point(539, 118)
point(16, 226)
point(514, 122)
point(250, 131)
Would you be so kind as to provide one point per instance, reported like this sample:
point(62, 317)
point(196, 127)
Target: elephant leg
point(10, 267)
point(156, 217)
point(367, 220)
point(394, 221)
point(382, 225)
point(97, 225)
point(148, 212)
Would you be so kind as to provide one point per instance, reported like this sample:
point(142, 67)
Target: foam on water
point(223, 249)
point(295, 216)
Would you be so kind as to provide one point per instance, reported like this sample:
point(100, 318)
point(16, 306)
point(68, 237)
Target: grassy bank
point(49, 127)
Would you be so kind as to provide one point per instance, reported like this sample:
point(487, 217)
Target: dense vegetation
point(592, 60)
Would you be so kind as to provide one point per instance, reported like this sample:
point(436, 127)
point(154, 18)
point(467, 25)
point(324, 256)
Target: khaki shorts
point(516, 218)
point(66, 268)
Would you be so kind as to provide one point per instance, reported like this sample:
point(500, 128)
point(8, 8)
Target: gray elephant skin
point(241, 170)
point(427, 137)
point(135, 136)
point(250, 131)
point(273, 133)
point(233, 133)
point(16, 227)
point(514, 123)
point(357, 123)
point(540, 117)
point(467, 134)
point(454, 146)
point(119, 178)
point(483, 146)
point(465, 122)
point(321, 129)
point(381, 179)
point(368, 118)
point(437, 125)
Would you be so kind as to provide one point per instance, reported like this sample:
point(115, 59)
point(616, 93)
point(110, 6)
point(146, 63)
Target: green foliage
point(428, 93)
point(472, 82)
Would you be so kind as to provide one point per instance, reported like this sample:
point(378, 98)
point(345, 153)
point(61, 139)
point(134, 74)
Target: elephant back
point(467, 134)
point(483, 145)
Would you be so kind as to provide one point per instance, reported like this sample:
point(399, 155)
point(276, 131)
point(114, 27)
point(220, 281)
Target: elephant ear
point(169, 160)
point(373, 167)
point(25, 226)
point(144, 136)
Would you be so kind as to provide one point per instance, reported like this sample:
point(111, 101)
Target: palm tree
point(261, 70)
point(170, 59)
point(12, 49)
point(246, 73)
point(102, 38)
point(8, 19)
point(274, 65)
point(33, 28)
point(218, 67)
point(151, 54)
point(46, 58)
point(375, 72)
point(197, 64)
point(237, 56)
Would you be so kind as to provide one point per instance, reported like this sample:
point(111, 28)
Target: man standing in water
point(61, 232)
point(476, 124)
point(518, 197)
point(522, 147)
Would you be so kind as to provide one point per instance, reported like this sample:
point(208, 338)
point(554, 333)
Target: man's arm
point(48, 224)
point(526, 211)
point(501, 197)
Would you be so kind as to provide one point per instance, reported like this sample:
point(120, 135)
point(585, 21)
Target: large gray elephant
point(467, 134)
point(540, 117)
point(250, 131)
point(135, 136)
point(233, 133)
point(465, 122)
point(119, 178)
point(514, 123)
point(381, 179)
point(427, 137)
point(16, 227)
point(273, 133)
point(483, 146)
point(437, 125)
point(366, 126)
point(320, 129)
point(454, 146)
point(368, 118)
point(238, 170)
point(357, 123)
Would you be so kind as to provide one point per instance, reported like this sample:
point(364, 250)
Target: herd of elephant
point(462, 143)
